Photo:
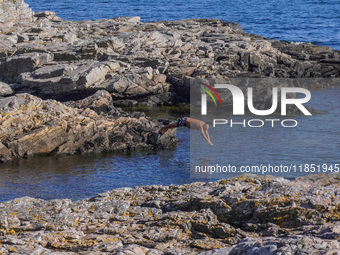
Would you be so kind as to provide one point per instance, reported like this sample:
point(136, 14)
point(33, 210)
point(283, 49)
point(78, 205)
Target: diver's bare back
point(194, 123)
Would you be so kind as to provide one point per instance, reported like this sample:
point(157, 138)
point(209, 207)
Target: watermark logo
point(204, 97)
point(262, 125)
point(239, 99)
point(238, 104)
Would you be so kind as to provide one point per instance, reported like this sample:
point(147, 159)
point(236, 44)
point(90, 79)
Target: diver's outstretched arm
point(165, 128)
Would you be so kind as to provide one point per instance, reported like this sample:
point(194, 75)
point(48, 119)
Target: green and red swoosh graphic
point(209, 93)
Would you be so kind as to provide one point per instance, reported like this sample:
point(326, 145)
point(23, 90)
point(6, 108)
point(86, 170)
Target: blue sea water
point(311, 147)
point(315, 21)
point(81, 176)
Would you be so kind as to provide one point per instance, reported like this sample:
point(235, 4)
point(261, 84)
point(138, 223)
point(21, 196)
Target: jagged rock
point(57, 80)
point(289, 245)
point(15, 12)
point(98, 65)
point(5, 89)
point(132, 250)
point(23, 38)
point(31, 126)
point(52, 71)
point(146, 63)
point(16, 65)
point(47, 15)
point(241, 215)
point(100, 102)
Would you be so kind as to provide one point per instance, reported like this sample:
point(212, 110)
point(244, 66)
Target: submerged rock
point(248, 214)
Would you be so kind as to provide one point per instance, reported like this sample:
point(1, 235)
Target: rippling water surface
point(316, 21)
point(78, 177)
point(315, 140)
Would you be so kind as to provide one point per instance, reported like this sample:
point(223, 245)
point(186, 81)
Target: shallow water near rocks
point(81, 176)
point(315, 140)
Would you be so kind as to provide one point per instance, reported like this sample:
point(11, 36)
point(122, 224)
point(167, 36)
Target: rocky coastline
point(249, 214)
point(62, 86)
point(94, 67)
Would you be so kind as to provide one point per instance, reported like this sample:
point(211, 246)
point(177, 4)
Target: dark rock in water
point(248, 214)
point(31, 126)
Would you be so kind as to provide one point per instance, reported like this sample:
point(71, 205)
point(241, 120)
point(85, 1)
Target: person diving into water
point(191, 124)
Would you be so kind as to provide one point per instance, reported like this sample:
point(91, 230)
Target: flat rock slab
point(249, 214)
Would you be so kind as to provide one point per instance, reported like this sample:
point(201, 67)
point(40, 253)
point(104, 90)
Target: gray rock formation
point(5, 89)
point(146, 63)
point(95, 66)
point(101, 102)
point(132, 63)
point(248, 214)
point(31, 126)
point(295, 244)
point(15, 12)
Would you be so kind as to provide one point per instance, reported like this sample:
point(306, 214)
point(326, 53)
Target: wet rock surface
point(248, 214)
